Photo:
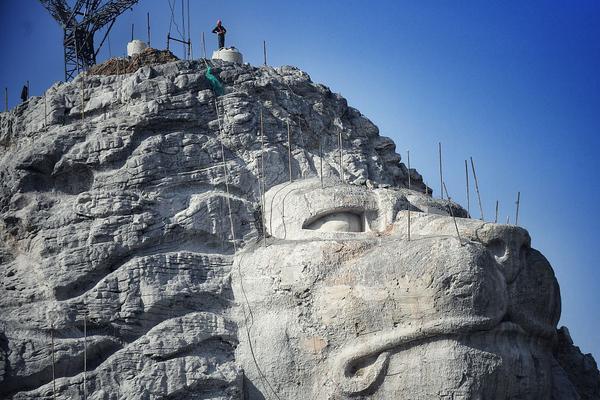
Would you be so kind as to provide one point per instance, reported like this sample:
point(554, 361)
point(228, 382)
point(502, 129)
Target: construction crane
point(80, 22)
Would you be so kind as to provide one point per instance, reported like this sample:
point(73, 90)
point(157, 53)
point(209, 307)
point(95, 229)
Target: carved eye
point(338, 222)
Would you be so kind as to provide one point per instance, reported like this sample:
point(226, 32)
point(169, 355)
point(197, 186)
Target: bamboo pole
point(452, 214)
point(289, 150)
point(468, 192)
point(441, 172)
point(518, 203)
point(477, 187)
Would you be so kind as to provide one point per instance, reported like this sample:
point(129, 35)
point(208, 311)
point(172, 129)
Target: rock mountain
point(152, 246)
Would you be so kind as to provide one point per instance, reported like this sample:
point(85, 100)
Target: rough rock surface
point(131, 240)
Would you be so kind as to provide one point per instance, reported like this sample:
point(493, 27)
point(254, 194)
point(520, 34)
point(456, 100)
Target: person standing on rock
point(220, 31)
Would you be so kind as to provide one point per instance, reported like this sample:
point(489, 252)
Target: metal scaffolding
point(80, 22)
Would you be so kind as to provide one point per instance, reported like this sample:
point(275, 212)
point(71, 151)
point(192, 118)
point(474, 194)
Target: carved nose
point(509, 245)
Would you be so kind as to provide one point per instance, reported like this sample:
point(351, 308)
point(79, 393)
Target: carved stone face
point(340, 304)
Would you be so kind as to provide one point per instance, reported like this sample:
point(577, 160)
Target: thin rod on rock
point(203, 46)
point(132, 32)
point(452, 212)
point(408, 161)
point(508, 220)
point(468, 192)
point(85, 354)
point(45, 111)
point(321, 158)
point(441, 172)
point(148, 26)
point(289, 149)
point(226, 177)
point(5, 99)
point(189, 33)
point(341, 155)
point(82, 97)
point(183, 27)
point(496, 219)
point(477, 187)
point(262, 183)
point(265, 51)
point(53, 363)
point(518, 203)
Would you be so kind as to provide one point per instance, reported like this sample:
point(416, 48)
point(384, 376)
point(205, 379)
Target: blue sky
point(515, 85)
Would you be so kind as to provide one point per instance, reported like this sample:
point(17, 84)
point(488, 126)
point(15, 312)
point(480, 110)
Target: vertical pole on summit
point(518, 203)
point(496, 219)
point(289, 149)
point(341, 155)
point(5, 99)
point(148, 26)
point(321, 158)
point(265, 51)
point(132, 32)
point(441, 173)
point(203, 46)
point(477, 188)
point(408, 161)
point(189, 37)
point(452, 213)
point(468, 193)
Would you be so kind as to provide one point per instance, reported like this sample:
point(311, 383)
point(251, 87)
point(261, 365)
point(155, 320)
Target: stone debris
point(199, 278)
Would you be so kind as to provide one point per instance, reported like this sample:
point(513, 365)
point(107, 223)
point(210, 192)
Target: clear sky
point(514, 84)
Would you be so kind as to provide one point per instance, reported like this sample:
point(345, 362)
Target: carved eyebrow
point(337, 221)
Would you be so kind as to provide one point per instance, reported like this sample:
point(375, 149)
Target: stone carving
point(121, 220)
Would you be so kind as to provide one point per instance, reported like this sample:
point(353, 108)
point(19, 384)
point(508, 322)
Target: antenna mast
point(80, 22)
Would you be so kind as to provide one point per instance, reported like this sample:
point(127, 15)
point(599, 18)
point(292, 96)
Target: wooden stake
point(452, 213)
point(468, 192)
point(289, 150)
point(441, 173)
point(496, 219)
point(518, 203)
point(265, 51)
point(477, 187)
point(408, 161)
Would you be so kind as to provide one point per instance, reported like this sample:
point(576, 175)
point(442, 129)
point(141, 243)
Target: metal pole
point(203, 45)
point(289, 149)
point(132, 32)
point(45, 111)
point(85, 354)
point(6, 99)
point(452, 213)
point(508, 220)
point(262, 164)
point(341, 154)
point(496, 219)
point(53, 363)
point(321, 158)
point(189, 33)
point(441, 175)
point(183, 27)
point(265, 51)
point(408, 161)
point(109, 49)
point(518, 203)
point(468, 194)
point(477, 187)
point(82, 97)
point(148, 24)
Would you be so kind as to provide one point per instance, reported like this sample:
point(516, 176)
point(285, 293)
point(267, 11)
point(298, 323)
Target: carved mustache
point(345, 364)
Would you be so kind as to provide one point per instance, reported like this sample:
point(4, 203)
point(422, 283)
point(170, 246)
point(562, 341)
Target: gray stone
point(124, 219)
